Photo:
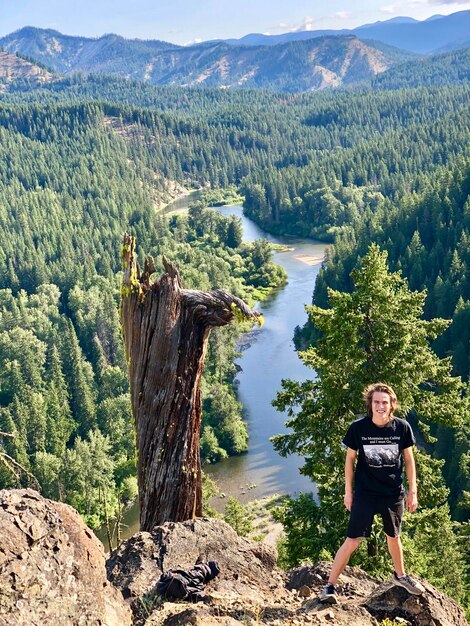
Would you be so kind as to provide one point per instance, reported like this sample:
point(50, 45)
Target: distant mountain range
point(436, 34)
point(293, 66)
point(302, 61)
point(65, 53)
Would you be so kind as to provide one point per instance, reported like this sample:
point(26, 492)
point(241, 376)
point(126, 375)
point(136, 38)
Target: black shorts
point(364, 509)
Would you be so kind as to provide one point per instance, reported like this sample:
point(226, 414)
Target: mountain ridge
point(294, 66)
point(67, 53)
point(434, 34)
point(318, 63)
point(421, 37)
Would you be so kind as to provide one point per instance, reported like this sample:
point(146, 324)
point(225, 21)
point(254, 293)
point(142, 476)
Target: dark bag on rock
point(180, 584)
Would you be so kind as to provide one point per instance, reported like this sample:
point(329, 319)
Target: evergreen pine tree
point(376, 333)
point(59, 418)
point(79, 377)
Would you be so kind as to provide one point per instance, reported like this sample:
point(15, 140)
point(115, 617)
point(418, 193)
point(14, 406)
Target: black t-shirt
point(379, 468)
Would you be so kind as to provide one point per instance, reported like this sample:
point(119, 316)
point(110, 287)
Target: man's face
point(381, 406)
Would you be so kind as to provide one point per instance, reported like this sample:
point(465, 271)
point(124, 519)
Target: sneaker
point(328, 595)
point(408, 583)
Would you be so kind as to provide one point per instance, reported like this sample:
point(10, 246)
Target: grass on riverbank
point(221, 197)
point(254, 520)
point(208, 198)
point(265, 527)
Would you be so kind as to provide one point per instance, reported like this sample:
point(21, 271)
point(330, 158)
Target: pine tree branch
point(8, 461)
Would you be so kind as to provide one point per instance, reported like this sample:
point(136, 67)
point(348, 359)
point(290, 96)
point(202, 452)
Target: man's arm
point(348, 477)
point(410, 467)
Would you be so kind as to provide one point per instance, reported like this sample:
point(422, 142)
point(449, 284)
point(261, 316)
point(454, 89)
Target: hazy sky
point(186, 21)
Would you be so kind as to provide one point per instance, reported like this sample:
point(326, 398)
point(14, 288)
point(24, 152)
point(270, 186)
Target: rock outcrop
point(433, 608)
point(52, 572)
point(252, 590)
point(15, 71)
point(52, 567)
point(363, 598)
point(246, 565)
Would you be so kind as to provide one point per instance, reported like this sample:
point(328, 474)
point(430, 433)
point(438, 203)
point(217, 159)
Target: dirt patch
point(310, 259)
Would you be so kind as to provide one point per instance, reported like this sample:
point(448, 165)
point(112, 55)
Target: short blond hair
point(381, 388)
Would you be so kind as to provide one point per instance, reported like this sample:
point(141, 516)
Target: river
point(268, 357)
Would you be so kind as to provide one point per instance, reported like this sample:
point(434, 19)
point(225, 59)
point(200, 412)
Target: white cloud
point(193, 42)
point(314, 23)
point(308, 23)
point(389, 9)
point(406, 7)
point(282, 28)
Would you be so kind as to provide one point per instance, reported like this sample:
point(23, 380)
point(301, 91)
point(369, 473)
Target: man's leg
point(329, 592)
point(342, 558)
point(360, 524)
point(396, 552)
point(392, 514)
point(399, 577)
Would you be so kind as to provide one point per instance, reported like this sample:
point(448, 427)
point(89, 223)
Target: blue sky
point(187, 21)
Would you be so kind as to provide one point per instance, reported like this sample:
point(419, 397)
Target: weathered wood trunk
point(166, 329)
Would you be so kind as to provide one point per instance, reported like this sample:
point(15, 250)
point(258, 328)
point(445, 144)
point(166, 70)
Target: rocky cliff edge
point(52, 571)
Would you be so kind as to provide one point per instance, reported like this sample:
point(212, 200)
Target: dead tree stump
point(166, 329)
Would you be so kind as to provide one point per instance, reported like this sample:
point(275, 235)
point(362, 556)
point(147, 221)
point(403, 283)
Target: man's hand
point(348, 500)
point(412, 501)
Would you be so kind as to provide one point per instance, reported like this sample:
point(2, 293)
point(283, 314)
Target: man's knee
point(393, 540)
point(352, 543)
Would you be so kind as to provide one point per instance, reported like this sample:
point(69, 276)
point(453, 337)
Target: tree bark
point(166, 329)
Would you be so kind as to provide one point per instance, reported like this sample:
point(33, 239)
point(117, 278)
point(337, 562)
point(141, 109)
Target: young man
point(379, 443)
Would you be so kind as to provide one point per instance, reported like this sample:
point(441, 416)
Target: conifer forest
point(381, 174)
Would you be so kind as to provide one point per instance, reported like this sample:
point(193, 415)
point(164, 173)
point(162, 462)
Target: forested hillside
point(442, 69)
point(20, 73)
point(70, 186)
point(87, 158)
point(427, 237)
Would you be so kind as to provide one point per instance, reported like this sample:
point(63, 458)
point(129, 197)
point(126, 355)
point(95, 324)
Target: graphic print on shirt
point(382, 455)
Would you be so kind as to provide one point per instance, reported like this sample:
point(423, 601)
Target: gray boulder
point(433, 608)
point(52, 567)
point(247, 567)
